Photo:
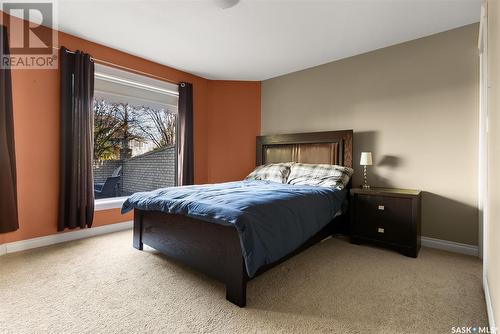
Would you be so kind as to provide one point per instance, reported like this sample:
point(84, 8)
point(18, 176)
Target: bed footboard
point(209, 248)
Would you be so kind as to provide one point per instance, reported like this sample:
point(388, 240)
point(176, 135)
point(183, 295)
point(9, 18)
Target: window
point(135, 121)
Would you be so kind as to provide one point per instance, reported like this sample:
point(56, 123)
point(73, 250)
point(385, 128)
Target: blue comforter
point(272, 219)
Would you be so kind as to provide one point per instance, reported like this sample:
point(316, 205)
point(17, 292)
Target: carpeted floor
point(103, 285)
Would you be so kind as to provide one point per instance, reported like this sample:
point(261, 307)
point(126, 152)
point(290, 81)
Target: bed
point(223, 250)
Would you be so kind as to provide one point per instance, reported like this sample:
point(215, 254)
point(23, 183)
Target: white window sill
point(109, 203)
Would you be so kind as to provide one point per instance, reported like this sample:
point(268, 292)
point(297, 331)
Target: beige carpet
point(103, 285)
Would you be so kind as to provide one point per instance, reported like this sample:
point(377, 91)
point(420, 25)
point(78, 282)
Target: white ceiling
point(257, 39)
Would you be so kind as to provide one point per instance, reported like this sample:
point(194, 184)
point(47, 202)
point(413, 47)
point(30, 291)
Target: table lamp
point(366, 160)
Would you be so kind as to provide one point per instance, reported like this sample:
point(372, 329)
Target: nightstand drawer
point(384, 218)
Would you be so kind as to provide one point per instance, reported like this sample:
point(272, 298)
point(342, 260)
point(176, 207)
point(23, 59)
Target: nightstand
point(387, 217)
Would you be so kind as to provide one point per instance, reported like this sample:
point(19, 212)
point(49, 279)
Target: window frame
point(122, 77)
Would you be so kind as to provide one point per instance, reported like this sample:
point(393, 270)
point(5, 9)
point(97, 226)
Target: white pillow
point(321, 175)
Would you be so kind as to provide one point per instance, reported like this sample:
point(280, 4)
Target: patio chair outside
point(108, 189)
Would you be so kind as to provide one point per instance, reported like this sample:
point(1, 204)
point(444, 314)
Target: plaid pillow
point(321, 175)
point(272, 172)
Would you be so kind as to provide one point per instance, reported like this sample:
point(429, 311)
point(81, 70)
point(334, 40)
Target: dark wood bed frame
point(215, 249)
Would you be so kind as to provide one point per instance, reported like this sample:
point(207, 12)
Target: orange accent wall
point(234, 122)
point(226, 121)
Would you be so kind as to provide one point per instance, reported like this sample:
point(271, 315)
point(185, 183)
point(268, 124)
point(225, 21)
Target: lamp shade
point(366, 159)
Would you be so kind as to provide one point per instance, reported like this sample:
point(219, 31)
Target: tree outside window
point(123, 130)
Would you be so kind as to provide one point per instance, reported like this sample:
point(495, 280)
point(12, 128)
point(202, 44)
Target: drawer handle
point(381, 207)
point(381, 230)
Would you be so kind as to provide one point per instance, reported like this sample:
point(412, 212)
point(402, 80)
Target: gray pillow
point(272, 172)
point(321, 175)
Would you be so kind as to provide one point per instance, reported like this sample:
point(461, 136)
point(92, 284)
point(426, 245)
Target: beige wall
point(414, 105)
point(493, 226)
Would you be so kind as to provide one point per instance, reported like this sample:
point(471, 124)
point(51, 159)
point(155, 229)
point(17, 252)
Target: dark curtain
point(185, 153)
point(76, 202)
point(8, 180)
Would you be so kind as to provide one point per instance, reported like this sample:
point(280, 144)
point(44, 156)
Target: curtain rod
point(105, 62)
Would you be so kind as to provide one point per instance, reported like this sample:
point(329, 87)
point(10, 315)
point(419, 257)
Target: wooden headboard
point(328, 147)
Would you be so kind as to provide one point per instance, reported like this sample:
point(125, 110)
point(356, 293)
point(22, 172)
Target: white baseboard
point(450, 246)
point(18, 246)
point(3, 249)
point(489, 305)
